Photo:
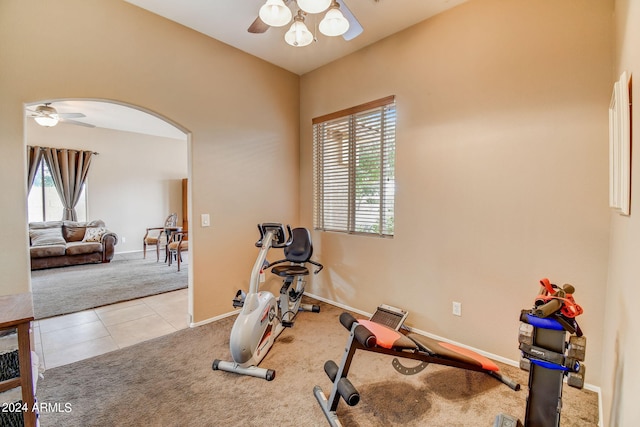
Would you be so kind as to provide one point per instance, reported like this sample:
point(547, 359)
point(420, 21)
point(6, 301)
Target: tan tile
point(62, 322)
point(179, 320)
point(35, 333)
point(180, 296)
point(61, 338)
point(118, 306)
point(142, 329)
point(125, 314)
point(79, 351)
point(169, 306)
point(38, 350)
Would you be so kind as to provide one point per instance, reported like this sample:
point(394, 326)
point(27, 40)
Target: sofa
point(64, 243)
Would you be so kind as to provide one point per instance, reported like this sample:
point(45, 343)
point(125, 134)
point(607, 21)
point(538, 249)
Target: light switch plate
point(205, 220)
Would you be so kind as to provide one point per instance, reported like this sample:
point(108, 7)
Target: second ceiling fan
point(338, 20)
point(47, 116)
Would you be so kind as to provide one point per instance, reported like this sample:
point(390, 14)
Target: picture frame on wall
point(620, 146)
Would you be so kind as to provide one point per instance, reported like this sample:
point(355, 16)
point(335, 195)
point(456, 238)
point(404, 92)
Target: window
point(354, 163)
point(44, 204)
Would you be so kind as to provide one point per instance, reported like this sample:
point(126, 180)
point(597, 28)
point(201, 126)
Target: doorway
point(135, 179)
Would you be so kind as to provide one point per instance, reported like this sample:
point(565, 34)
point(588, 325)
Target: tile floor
point(66, 339)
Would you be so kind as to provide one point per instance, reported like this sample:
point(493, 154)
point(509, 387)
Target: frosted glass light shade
point(298, 35)
point(275, 13)
point(334, 23)
point(314, 6)
point(47, 121)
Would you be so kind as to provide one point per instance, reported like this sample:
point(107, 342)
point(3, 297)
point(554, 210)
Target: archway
point(137, 177)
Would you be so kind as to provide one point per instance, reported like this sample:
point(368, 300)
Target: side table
point(16, 312)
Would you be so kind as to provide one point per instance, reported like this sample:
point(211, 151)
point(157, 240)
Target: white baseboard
point(213, 319)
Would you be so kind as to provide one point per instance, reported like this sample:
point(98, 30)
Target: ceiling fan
point(338, 20)
point(47, 116)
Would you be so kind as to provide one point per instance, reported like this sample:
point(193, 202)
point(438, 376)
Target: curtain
point(34, 155)
point(69, 169)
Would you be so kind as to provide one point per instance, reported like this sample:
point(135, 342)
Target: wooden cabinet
point(185, 210)
point(16, 312)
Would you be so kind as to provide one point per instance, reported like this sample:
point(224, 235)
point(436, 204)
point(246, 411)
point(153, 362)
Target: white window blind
point(354, 163)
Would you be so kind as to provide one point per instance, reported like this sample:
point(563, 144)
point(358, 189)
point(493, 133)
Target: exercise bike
point(263, 316)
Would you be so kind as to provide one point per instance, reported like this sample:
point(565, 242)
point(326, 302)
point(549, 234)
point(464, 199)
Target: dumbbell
point(576, 379)
point(577, 347)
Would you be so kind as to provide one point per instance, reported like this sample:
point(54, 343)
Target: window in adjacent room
point(44, 204)
point(354, 163)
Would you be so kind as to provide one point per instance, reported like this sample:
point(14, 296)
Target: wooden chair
point(153, 236)
point(178, 243)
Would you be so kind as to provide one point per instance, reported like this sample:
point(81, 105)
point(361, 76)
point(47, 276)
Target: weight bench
point(369, 335)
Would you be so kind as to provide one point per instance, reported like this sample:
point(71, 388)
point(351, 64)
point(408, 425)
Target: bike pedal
point(238, 301)
point(287, 324)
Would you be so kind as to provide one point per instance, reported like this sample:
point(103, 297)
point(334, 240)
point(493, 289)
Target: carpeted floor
point(169, 382)
point(128, 276)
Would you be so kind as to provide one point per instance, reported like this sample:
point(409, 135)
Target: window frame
point(355, 144)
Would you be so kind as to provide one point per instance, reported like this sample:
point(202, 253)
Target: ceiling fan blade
point(75, 122)
point(355, 29)
point(258, 26)
point(71, 115)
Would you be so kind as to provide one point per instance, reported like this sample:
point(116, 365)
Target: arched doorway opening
point(135, 181)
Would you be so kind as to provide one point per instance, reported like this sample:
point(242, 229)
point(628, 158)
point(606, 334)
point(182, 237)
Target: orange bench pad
point(486, 363)
point(387, 337)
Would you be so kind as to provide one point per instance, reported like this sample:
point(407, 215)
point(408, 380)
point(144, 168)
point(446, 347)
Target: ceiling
point(228, 20)
point(110, 115)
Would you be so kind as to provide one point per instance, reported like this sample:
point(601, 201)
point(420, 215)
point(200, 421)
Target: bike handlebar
point(281, 238)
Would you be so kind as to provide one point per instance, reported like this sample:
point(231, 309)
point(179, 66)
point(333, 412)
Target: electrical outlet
point(124, 239)
point(457, 308)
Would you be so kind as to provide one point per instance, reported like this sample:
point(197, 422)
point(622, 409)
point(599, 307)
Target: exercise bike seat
point(299, 251)
point(446, 350)
point(290, 270)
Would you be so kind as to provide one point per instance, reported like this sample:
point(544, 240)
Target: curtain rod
point(70, 149)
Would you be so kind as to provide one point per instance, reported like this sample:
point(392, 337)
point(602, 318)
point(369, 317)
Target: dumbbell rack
point(549, 357)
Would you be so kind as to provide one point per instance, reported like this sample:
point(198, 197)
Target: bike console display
point(280, 238)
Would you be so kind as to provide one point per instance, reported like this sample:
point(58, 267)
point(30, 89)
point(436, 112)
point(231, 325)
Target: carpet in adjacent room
point(64, 290)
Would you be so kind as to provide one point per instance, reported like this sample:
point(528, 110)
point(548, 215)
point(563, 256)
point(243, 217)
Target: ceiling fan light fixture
point(47, 121)
point(314, 6)
point(298, 35)
point(334, 22)
point(275, 13)
point(47, 116)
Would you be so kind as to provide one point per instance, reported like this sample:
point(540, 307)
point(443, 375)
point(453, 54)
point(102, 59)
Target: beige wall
point(241, 111)
point(501, 158)
point(501, 168)
point(134, 182)
point(621, 345)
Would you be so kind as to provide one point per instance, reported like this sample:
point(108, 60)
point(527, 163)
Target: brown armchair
point(178, 243)
point(154, 235)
